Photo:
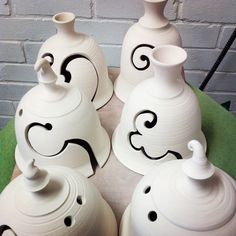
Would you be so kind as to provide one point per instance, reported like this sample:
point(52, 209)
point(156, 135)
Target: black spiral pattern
point(143, 57)
point(149, 125)
point(66, 73)
point(49, 127)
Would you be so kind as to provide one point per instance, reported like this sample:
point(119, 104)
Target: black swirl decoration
point(49, 127)
point(5, 228)
point(49, 57)
point(149, 125)
point(66, 73)
point(142, 57)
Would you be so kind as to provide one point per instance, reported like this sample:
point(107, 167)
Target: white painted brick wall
point(205, 26)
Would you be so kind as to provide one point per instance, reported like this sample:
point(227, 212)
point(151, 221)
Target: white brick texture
point(4, 7)
point(11, 52)
point(129, 9)
point(51, 7)
point(209, 10)
point(205, 27)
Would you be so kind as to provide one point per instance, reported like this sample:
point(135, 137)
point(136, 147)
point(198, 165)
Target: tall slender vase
point(152, 30)
point(77, 59)
point(160, 117)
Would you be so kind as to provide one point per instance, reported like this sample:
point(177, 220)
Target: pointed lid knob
point(49, 99)
point(191, 193)
point(41, 192)
point(35, 179)
point(198, 167)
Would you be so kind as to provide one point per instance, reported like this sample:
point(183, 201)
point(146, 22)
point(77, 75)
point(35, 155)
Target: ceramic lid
point(193, 194)
point(49, 99)
point(39, 188)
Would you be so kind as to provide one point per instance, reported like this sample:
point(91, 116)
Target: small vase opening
point(64, 22)
point(167, 62)
point(169, 55)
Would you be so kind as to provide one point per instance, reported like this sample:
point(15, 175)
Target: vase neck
point(154, 14)
point(65, 24)
point(167, 62)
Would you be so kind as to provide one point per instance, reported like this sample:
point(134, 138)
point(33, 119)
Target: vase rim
point(63, 17)
point(168, 55)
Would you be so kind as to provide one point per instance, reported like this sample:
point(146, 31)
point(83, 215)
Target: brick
point(7, 108)
point(221, 97)
point(195, 78)
point(18, 73)
point(104, 32)
point(26, 29)
point(209, 10)
point(10, 91)
point(45, 7)
point(204, 59)
point(31, 51)
point(112, 55)
point(225, 35)
point(229, 62)
point(15, 104)
point(4, 120)
point(4, 7)
point(222, 82)
point(11, 52)
point(132, 9)
point(200, 59)
point(198, 35)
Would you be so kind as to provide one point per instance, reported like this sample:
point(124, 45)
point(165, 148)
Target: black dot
point(152, 216)
point(20, 112)
point(147, 189)
point(79, 200)
point(143, 57)
point(48, 126)
point(68, 221)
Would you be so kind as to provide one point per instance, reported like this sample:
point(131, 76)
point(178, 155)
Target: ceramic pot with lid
point(78, 59)
point(57, 125)
point(55, 200)
point(152, 30)
point(183, 197)
point(160, 117)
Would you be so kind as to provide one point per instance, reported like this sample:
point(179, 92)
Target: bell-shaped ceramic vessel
point(161, 115)
point(57, 125)
point(185, 197)
point(152, 30)
point(79, 59)
point(54, 201)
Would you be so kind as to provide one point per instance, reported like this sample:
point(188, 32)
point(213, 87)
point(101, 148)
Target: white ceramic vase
point(152, 30)
point(160, 117)
point(54, 201)
point(185, 198)
point(79, 59)
point(57, 125)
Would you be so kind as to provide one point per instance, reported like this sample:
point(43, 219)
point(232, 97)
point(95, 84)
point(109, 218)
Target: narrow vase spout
point(154, 14)
point(64, 22)
point(167, 62)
